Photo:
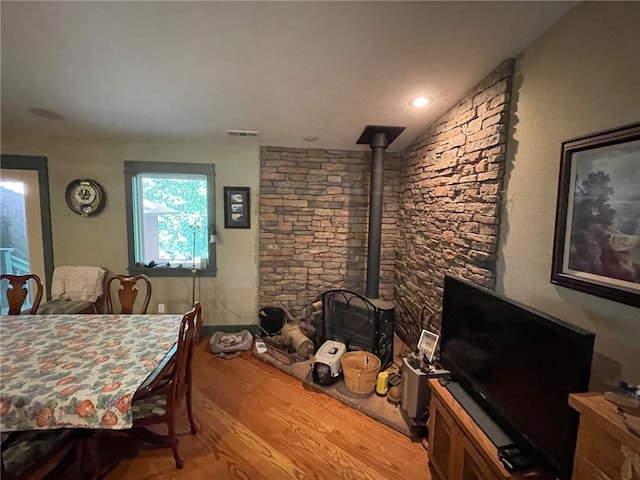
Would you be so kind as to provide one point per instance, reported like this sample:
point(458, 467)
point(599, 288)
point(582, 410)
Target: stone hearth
point(373, 405)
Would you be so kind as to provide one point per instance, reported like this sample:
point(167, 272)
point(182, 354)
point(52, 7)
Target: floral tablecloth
point(77, 371)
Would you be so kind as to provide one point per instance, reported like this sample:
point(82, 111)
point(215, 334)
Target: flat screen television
point(520, 366)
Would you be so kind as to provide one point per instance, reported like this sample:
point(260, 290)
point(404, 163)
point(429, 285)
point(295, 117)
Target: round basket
point(360, 371)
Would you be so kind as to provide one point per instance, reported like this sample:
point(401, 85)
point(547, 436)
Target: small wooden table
point(606, 448)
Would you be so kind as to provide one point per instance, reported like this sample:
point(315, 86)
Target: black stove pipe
point(378, 138)
point(379, 143)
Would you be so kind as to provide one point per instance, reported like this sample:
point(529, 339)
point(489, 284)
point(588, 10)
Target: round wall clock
point(85, 197)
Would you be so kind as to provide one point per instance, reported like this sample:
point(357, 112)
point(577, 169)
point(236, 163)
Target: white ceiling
point(189, 71)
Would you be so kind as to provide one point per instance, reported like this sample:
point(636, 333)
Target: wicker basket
point(360, 371)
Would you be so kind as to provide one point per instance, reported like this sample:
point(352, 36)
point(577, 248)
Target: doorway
point(25, 219)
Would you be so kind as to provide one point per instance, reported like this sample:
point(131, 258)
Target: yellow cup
point(382, 385)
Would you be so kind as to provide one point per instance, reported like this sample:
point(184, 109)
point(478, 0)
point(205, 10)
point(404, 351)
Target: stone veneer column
point(314, 206)
point(450, 204)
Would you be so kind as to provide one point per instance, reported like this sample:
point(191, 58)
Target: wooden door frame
point(39, 164)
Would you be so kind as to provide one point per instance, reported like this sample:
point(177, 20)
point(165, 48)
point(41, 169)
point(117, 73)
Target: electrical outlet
point(161, 308)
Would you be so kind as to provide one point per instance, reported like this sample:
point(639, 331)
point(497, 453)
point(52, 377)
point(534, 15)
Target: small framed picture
point(236, 207)
point(428, 343)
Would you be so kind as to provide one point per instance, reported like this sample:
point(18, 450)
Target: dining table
point(80, 370)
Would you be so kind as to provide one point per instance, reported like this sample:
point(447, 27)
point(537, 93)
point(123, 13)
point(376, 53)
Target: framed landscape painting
point(597, 232)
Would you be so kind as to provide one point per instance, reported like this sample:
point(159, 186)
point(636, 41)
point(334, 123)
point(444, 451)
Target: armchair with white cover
point(75, 289)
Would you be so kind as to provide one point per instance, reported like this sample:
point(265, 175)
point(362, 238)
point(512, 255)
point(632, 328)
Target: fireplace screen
point(360, 323)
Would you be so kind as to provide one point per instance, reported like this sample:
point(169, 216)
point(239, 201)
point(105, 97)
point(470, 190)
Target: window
point(170, 218)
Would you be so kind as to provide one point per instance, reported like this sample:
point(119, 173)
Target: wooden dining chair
point(27, 452)
point(196, 340)
point(127, 293)
point(158, 402)
point(17, 293)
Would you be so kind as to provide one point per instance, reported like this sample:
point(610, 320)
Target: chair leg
point(80, 457)
point(87, 461)
point(192, 421)
point(3, 473)
point(174, 442)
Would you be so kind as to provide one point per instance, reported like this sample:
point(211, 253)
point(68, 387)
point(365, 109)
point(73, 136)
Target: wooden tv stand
point(459, 449)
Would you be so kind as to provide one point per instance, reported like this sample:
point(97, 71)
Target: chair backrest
point(127, 293)
point(196, 338)
point(175, 377)
point(186, 343)
point(78, 282)
point(17, 294)
point(198, 322)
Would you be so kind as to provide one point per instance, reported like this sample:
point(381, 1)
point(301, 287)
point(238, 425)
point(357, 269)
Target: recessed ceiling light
point(310, 138)
point(421, 101)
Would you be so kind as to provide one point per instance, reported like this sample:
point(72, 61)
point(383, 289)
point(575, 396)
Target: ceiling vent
point(242, 133)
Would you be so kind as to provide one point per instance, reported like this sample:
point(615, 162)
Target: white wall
point(231, 298)
point(580, 77)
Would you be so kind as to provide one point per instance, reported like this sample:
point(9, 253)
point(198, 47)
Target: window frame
point(131, 170)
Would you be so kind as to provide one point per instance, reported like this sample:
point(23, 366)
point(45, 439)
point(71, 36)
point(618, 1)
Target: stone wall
point(441, 213)
point(314, 208)
point(450, 203)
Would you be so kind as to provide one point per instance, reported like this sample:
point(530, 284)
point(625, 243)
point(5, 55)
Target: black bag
point(271, 321)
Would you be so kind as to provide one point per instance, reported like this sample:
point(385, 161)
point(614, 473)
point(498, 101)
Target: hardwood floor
point(255, 422)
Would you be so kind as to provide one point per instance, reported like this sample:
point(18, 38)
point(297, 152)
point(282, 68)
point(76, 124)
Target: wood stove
point(360, 323)
point(366, 322)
